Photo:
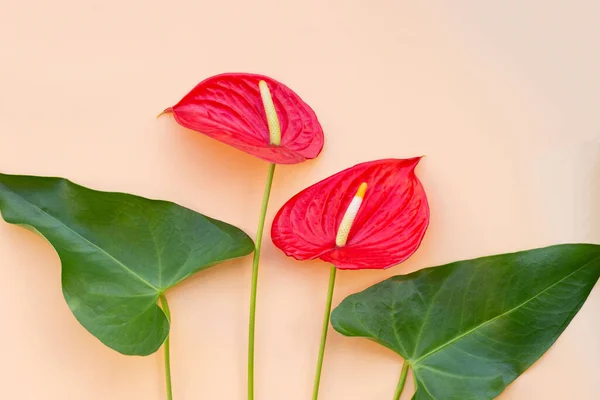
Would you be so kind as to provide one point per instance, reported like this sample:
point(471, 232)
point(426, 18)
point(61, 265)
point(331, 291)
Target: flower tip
point(262, 85)
point(166, 111)
point(362, 189)
point(415, 161)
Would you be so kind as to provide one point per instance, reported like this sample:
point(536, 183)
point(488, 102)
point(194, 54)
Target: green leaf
point(469, 328)
point(119, 252)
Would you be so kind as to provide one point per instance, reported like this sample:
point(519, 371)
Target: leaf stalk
point(253, 289)
point(167, 347)
point(401, 381)
point(325, 328)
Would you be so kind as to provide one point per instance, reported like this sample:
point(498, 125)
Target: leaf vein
point(502, 314)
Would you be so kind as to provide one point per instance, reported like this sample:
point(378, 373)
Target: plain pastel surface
point(501, 97)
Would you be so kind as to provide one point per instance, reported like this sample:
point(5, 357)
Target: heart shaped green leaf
point(469, 328)
point(119, 252)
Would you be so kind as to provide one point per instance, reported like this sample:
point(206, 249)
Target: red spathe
point(229, 108)
point(388, 228)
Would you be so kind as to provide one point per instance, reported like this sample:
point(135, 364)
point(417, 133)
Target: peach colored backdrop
point(502, 98)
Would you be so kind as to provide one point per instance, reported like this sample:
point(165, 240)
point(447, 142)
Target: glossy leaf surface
point(388, 228)
point(469, 328)
point(119, 252)
point(229, 108)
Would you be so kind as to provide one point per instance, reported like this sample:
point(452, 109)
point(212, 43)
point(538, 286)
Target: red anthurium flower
point(371, 216)
point(245, 110)
point(262, 117)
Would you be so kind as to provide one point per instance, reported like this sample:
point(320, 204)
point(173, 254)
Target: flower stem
point(324, 330)
point(402, 381)
point(252, 323)
point(167, 311)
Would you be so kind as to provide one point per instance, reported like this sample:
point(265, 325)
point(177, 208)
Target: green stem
point(252, 323)
point(324, 330)
point(402, 381)
point(167, 311)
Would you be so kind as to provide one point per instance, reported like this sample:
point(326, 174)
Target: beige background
point(502, 97)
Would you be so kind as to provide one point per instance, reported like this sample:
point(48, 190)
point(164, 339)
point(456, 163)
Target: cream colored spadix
point(272, 119)
point(348, 219)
